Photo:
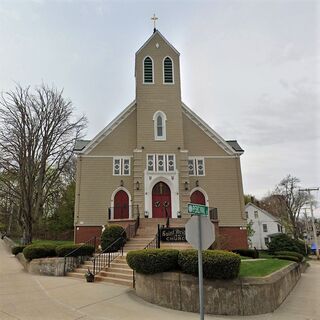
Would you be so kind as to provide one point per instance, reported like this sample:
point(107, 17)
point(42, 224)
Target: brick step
point(75, 275)
point(81, 270)
point(115, 275)
point(124, 282)
point(121, 265)
point(139, 239)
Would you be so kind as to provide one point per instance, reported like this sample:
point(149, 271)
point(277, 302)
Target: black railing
point(155, 242)
point(103, 259)
point(123, 212)
point(131, 229)
point(72, 260)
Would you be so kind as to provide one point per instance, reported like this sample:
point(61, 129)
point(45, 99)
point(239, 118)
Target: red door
point(161, 201)
point(198, 198)
point(121, 205)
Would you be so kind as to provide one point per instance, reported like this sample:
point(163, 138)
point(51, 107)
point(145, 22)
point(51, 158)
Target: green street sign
point(197, 209)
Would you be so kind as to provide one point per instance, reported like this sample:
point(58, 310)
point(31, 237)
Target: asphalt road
point(25, 296)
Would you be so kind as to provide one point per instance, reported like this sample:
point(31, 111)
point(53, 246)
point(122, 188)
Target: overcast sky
point(249, 68)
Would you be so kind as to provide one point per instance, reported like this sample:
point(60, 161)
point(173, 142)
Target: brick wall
point(83, 234)
point(231, 238)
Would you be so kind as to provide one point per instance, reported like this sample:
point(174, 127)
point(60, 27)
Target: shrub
point(291, 258)
point(111, 234)
point(84, 250)
point(247, 253)
point(17, 249)
point(35, 251)
point(282, 242)
point(290, 254)
point(217, 264)
point(150, 261)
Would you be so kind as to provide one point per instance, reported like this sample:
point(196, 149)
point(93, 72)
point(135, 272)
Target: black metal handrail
point(71, 260)
point(103, 259)
point(154, 243)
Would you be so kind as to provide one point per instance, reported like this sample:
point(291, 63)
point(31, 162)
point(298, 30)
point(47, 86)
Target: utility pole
point(312, 217)
point(306, 241)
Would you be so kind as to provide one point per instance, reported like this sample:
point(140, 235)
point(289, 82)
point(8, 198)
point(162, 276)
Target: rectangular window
point(151, 162)
point(161, 163)
point(247, 216)
point(121, 166)
point(196, 166)
point(265, 228)
point(279, 228)
point(266, 241)
point(256, 214)
point(171, 163)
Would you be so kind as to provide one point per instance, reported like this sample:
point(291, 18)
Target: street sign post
point(200, 234)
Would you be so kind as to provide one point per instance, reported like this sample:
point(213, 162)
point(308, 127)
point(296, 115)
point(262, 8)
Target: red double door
point(161, 201)
point(198, 197)
point(121, 205)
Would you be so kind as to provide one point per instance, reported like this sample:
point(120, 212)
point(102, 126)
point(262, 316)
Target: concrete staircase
point(119, 272)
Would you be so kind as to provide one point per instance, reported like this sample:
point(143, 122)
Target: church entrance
point(121, 205)
point(161, 201)
point(198, 197)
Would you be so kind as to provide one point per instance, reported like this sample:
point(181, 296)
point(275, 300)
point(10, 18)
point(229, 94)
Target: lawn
point(54, 242)
point(261, 268)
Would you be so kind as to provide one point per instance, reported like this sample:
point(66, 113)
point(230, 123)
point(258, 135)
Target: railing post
point(94, 266)
point(64, 266)
point(158, 237)
point(94, 243)
point(108, 259)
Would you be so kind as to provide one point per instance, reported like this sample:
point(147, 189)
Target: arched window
point(159, 119)
point(167, 70)
point(147, 70)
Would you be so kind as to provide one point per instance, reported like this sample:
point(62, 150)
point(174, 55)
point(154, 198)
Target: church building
point(157, 156)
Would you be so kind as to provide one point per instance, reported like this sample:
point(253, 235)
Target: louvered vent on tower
point(167, 69)
point(148, 70)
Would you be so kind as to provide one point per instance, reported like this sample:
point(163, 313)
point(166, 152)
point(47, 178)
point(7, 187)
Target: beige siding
point(121, 141)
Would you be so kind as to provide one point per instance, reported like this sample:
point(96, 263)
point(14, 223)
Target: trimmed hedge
point(247, 253)
point(290, 254)
point(17, 249)
point(111, 233)
point(35, 251)
point(291, 258)
point(217, 264)
point(149, 261)
point(85, 250)
point(282, 242)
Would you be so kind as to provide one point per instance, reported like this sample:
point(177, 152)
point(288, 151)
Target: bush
point(111, 234)
point(290, 254)
point(291, 258)
point(247, 253)
point(282, 242)
point(17, 249)
point(35, 251)
point(151, 261)
point(217, 264)
point(85, 250)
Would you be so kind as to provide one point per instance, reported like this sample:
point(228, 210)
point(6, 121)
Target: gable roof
point(157, 32)
point(262, 210)
point(108, 129)
point(231, 147)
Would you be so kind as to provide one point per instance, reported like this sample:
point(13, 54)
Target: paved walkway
point(24, 296)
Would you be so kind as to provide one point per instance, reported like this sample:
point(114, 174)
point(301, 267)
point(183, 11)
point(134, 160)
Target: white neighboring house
point(264, 225)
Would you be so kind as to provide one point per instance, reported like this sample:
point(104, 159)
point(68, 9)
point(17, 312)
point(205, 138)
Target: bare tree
point(290, 201)
point(37, 134)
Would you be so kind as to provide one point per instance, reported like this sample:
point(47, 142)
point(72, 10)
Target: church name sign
point(173, 234)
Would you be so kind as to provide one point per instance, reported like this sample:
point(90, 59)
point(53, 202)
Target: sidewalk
point(24, 296)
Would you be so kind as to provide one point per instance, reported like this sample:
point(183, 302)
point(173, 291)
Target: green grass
point(261, 268)
point(54, 242)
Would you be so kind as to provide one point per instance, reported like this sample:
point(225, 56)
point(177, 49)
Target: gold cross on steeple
point(154, 18)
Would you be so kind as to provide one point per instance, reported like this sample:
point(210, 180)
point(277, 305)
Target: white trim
point(195, 166)
point(163, 82)
point(143, 70)
point(209, 131)
point(202, 191)
point(122, 158)
point(112, 201)
point(163, 38)
point(155, 157)
point(110, 127)
point(172, 180)
point(164, 126)
point(220, 157)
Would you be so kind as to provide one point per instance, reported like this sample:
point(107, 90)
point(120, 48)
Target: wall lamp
point(121, 183)
point(186, 185)
point(197, 183)
point(137, 185)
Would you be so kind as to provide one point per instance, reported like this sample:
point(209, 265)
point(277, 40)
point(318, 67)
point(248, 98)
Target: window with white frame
point(256, 214)
point(147, 70)
point(167, 70)
point(265, 228)
point(196, 166)
point(121, 166)
point(159, 120)
point(161, 163)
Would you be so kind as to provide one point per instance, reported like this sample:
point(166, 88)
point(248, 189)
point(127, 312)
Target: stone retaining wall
point(242, 296)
